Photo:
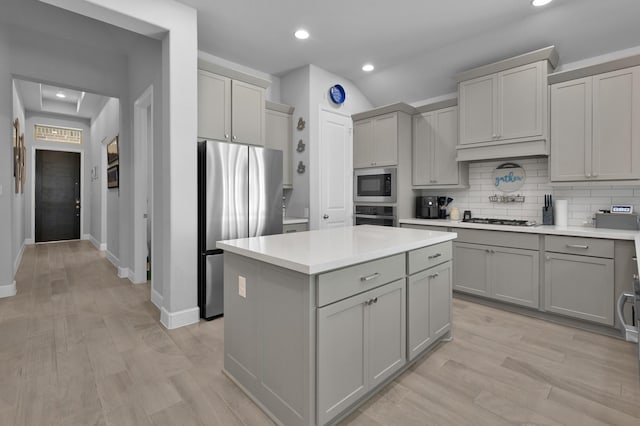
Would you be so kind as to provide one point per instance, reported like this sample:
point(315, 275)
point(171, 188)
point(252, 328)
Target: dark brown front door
point(57, 196)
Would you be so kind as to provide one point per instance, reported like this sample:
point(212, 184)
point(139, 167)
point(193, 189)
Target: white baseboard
point(156, 298)
point(178, 319)
point(18, 260)
point(87, 237)
point(114, 260)
point(28, 241)
point(123, 272)
point(96, 243)
point(8, 290)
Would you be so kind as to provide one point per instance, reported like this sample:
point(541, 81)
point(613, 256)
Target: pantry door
point(336, 169)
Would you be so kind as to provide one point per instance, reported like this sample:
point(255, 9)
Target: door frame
point(143, 187)
point(33, 185)
point(318, 175)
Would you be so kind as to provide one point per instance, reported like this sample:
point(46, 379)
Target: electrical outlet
point(242, 286)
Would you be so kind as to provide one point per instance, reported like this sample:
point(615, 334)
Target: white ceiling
point(416, 45)
point(38, 97)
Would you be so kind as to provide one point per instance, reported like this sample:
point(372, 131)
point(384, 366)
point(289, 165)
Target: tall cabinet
point(229, 108)
point(595, 126)
point(278, 122)
point(434, 140)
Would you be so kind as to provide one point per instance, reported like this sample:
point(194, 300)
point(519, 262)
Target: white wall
point(583, 201)
point(104, 128)
point(7, 284)
point(18, 199)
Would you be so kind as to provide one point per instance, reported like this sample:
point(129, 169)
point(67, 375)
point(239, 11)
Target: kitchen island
point(317, 322)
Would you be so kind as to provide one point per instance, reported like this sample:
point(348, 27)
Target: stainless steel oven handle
point(373, 216)
point(630, 332)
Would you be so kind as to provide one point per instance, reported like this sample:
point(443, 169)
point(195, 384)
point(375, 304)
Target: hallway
point(78, 345)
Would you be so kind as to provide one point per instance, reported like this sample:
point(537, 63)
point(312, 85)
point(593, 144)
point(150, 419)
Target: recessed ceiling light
point(539, 3)
point(301, 34)
point(368, 67)
point(61, 95)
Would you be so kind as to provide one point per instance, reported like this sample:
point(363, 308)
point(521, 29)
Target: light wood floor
point(79, 346)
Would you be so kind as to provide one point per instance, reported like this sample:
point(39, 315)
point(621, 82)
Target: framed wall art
point(16, 154)
point(112, 151)
point(113, 178)
point(23, 162)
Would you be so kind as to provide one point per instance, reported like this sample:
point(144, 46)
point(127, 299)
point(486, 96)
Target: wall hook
point(301, 146)
point(301, 167)
point(301, 124)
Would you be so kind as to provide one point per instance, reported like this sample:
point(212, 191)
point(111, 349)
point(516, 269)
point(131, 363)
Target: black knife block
point(547, 215)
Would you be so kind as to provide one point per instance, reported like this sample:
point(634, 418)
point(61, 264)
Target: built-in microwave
point(375, 185)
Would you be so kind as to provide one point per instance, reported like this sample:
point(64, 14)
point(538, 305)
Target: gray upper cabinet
point(278, 135)
point(375, 141)
point(230, 110)
point(435, 136)
point(595, 133)
point(504, 106)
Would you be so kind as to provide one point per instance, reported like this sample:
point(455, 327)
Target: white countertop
point(574, 231)
point(294, 220)
point(320, 251)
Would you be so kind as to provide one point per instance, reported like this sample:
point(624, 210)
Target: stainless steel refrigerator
point(239, 196)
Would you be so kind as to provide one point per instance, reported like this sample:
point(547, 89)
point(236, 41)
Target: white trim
point(112, 258)
point(97, 244)
point(123, 272)
point(28, 241)
point(80, 151)
point(156, 298)
point(142, 198)
point(132, 278)
point(103, 190)
point(18, 260)
point(86, 237)
point(178, 319)
point(8, 290)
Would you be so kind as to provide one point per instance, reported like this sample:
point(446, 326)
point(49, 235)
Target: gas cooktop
point(491, 221)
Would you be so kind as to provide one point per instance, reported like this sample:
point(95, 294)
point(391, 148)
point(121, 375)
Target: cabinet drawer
point(346, 282)
point(294, 227)
point(498, 238)
point(429, 256)
point(581, 246)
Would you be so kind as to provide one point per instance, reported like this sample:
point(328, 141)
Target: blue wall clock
point(337, 94)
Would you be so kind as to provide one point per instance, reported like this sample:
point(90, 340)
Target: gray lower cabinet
point(503, 273)
point(580, 287)
point(361, 342)
point(429, 307)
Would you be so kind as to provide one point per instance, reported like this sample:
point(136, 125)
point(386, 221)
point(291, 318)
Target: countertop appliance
point(239, 196)
point(375, 185)
point(375, 215)
point(629, 221)
point(491, 221)
point(427, 207)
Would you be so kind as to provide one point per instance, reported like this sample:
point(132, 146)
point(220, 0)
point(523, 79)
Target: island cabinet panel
point(269, 350)
point(345, 282)
point(361, 342)
point(429, 307)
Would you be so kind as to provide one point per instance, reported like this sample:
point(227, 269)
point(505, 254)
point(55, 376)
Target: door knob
point(326, 216)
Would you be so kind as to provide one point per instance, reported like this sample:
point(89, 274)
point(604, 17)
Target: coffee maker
point(427, 207)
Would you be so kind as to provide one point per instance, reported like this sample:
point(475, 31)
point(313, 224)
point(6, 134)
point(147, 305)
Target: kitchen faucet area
point(320, 213)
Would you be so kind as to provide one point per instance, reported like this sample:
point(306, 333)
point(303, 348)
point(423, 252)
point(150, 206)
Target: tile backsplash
point(583, 201)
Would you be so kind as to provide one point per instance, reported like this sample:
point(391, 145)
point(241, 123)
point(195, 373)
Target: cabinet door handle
point(434, 256)
point(226, 136)
point(370, 277)
point(375, 300)
point(578, 246)
point(634, 258)
point(235, 137)
point(487, 251)
point(436, 275)
point(547, 258)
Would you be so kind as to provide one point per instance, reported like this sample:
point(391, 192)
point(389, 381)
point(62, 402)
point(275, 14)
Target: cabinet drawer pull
point(375, 300)
point(370, 277)
point(578, 246)
point(434, 256)
point(434, 275)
